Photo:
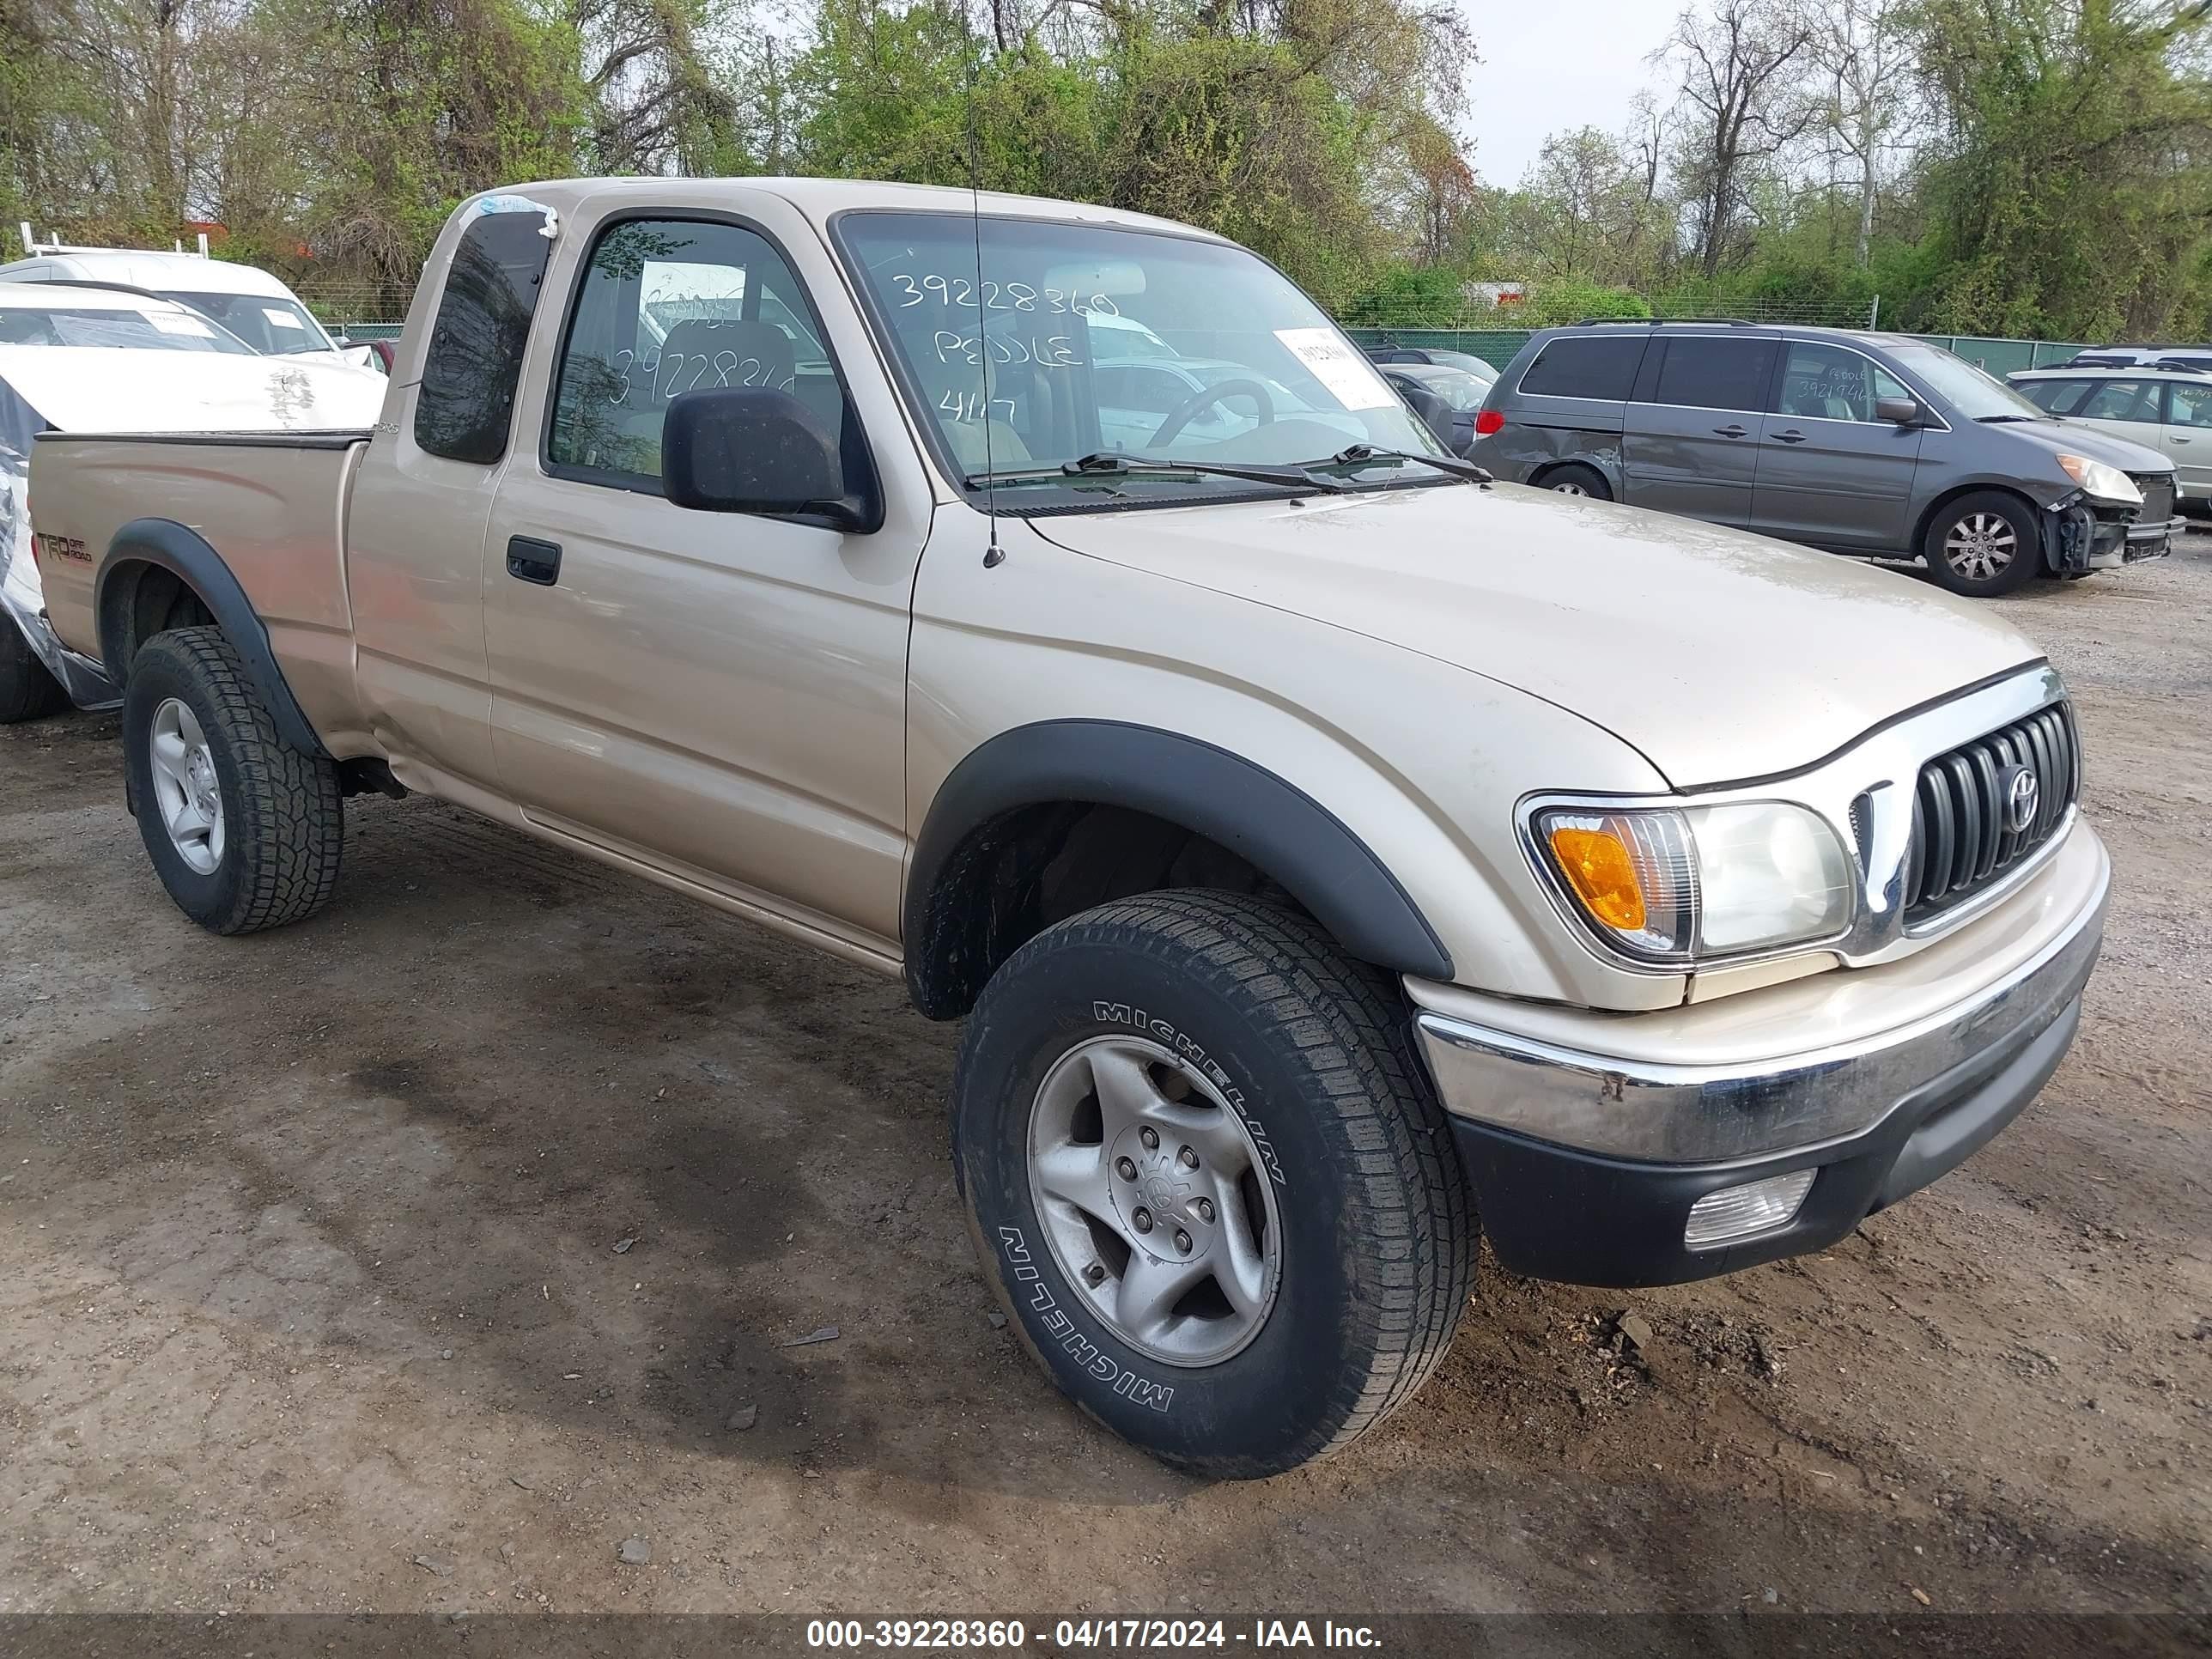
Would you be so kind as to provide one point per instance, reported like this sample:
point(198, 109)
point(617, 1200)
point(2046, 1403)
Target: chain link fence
point(363, 311)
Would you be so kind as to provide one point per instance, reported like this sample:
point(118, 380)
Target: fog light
point(1739, 1212)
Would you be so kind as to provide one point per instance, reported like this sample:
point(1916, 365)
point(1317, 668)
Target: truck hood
point(103, 389)
point(1719, 655)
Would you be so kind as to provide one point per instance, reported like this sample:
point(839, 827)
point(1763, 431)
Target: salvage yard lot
point(420, 1256)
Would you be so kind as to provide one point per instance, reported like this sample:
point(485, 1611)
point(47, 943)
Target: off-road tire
point(27, 689)
point(2027, 539)
point(1576, 479)
point(1314, 1050)
point(284, 815)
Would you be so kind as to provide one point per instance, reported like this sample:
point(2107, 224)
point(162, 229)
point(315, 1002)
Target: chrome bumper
point(1690, 1113)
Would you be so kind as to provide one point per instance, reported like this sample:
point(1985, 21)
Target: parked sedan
point(1466, 362)
point(2167, 410)
point(1454, 396)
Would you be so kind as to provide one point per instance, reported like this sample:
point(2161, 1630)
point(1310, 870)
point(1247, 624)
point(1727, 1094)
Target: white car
point(74, 358)
point(2167, 409)
point(247, 300)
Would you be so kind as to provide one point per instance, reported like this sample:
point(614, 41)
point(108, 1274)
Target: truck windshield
point(157, 328)
point(1058, 343)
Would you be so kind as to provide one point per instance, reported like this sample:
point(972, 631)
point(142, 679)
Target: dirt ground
point(416, 1258)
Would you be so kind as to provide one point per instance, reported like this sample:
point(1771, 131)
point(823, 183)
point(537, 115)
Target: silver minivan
point(2167, 410)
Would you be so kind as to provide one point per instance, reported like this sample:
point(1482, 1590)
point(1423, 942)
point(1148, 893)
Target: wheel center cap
point(1153, 1179)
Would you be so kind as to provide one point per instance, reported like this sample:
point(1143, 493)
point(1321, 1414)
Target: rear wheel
point(1983, 544)
point(1209, 1181)
point(27, 690)
point(1576, 479)
point(244, 830)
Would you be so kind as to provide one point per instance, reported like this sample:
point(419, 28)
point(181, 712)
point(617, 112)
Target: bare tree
point(1741, 69)
point(1861, 50)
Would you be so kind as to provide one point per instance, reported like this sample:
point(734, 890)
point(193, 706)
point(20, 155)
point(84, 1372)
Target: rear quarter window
point(466, 405)
point(1586, 366)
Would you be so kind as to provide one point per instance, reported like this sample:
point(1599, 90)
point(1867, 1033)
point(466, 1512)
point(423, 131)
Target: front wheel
point(1983, 544)
point(244, 830)
point(1206, 1178)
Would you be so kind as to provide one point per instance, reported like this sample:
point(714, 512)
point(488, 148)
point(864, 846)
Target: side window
point(2059, 397)
point(675, 306)
point(1830, 383)
point(2192, 405)
point(466, 403)
point(1586, 366)
point(2122, 400)
point(1703, 372)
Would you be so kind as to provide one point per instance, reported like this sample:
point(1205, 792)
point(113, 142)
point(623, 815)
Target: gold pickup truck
point(1334, 854)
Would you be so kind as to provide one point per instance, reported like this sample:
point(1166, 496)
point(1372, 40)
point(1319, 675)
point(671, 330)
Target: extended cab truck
point(1326, 847)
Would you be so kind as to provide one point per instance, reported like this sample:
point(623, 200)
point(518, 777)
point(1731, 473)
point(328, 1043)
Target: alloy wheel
point(1980, 546)
point(1154, 1201)
point(186, 789)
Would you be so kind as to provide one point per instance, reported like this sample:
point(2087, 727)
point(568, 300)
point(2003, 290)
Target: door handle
point(530, 560)
point(1732, 431)
point(2177, 440)
point(1792, 436)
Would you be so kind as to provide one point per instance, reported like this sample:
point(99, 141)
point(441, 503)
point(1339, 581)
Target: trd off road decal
point(1123, 1013)
point(1059, 1328)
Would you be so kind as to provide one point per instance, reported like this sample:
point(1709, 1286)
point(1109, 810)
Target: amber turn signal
point(1597, 864)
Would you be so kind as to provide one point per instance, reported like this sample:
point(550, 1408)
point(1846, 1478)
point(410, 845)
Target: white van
point(247, 300)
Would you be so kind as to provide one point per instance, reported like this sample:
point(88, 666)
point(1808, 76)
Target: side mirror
point(745, 449)
point(1904, 411)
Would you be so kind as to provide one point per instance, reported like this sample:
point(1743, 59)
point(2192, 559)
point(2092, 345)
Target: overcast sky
point(1551, 64)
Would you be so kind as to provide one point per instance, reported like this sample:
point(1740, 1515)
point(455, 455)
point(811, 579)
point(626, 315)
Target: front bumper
point(2092, 537)
point(1585, 1162)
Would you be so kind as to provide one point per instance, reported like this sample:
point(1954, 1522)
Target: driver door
point(719, 697)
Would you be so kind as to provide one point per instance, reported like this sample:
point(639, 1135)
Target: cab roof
point(819, 199)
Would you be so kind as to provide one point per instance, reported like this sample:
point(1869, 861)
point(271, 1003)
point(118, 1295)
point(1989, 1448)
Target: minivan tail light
point(1490, 420)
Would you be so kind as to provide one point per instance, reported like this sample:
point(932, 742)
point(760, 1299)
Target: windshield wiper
point(1993, 420)
point(1102, 465)
point(1368, 455)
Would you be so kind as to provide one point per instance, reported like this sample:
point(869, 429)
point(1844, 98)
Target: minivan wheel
point(1207, 1181)
point(1983, 544)
point(1576, 479)
point(244, 830)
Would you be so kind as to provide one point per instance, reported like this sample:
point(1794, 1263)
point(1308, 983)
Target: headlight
point(2107, 483)
point(1680, 884)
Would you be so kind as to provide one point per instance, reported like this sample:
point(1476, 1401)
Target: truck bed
point(275, 504)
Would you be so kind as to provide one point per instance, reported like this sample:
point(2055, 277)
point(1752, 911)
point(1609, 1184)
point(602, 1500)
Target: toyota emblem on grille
point(2022, 790)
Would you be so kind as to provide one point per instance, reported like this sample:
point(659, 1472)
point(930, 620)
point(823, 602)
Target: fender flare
point(168, 545)
point(1273, 824)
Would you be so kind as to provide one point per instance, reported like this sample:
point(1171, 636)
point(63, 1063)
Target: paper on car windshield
point(1350, 378)
point(280, 318)
point(170, 323)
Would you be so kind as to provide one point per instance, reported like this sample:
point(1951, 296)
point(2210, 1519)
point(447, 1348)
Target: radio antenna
point(993, 555)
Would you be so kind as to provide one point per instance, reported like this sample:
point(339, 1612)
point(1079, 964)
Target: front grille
point(2158, 496)
point(1961, 837)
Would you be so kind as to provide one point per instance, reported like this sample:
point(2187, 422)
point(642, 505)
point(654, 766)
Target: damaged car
point(91, 357)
